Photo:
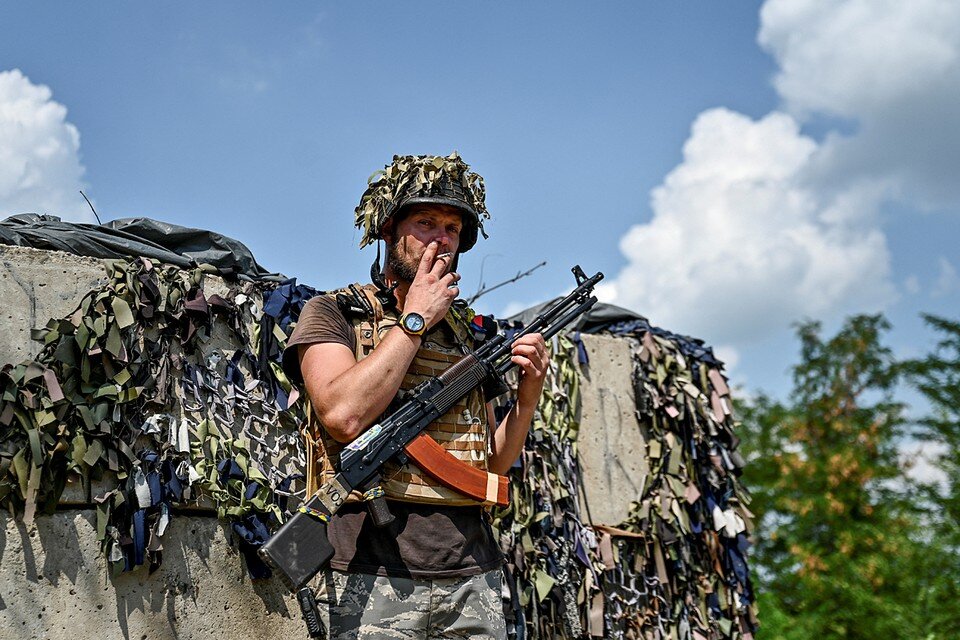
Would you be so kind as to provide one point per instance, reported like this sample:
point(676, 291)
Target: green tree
point(837, 542)
point(937, 377)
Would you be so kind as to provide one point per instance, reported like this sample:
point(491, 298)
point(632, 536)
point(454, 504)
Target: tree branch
point(483, 291)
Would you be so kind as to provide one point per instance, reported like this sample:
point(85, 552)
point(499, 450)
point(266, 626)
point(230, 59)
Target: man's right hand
point(433, 290)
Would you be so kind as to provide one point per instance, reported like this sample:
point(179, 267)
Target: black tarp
point(599, 317)
point(610, 318)
point(184, 247)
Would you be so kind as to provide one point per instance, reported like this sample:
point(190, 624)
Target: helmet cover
point(423, 179)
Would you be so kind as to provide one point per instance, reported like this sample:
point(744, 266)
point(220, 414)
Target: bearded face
point(400, 263)
point(408, 238)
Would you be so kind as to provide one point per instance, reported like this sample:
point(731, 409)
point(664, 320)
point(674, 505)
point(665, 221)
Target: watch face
point(413, 322)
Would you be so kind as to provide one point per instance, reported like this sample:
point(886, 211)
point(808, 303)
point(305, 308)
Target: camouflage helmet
point(415, 179)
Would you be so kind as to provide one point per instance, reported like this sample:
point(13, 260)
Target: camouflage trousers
point(359, 606)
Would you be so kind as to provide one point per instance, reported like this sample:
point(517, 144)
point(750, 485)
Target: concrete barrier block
point(35, 286)
point(54, 585)
point(611, 446)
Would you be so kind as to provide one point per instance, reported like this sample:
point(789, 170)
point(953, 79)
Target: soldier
point(434, 572)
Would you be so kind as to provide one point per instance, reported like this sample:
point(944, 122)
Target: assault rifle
point(300, 548)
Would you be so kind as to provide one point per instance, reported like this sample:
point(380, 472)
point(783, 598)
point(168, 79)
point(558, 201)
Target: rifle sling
point(442, 466)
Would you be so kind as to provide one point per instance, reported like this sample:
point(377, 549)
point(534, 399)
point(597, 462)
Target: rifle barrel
point(578, 295)
point(504, 365)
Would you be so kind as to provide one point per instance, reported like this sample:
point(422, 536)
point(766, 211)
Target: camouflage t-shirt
point(424, 541)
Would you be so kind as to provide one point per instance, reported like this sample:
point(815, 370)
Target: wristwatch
point(413, 323)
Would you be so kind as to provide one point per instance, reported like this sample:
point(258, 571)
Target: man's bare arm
point(347, 395)
point(530, 353)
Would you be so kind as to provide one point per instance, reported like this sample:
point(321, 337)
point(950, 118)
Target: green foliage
point(842, 550)
point(937, 377)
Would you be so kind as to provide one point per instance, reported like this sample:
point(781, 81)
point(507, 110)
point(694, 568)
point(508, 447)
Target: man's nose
point(443, 240)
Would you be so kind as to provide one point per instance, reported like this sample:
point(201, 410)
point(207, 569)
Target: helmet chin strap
point(385, 294)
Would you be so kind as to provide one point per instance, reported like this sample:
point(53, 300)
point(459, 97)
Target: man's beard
point(404, 271)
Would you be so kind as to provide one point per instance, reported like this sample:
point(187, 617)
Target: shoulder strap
point(369, 294)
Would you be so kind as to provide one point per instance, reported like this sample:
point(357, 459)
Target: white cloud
point(761, 225)
point(948, 281)
point(40, 169)
point(894, 68)
point(739, 245)
point(852, 57)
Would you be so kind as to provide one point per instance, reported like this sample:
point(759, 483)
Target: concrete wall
point(611, 448)
point(53, 584)
point(53, 579)
point(34, 287)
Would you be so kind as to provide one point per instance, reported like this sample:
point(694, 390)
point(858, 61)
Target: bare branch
point(519, 275)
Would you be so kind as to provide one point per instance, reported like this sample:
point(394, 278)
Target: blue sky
point(732, 167)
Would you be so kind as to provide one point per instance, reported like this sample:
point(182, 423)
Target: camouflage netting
point(162, 397)
point(158, 393)
point(676, 568)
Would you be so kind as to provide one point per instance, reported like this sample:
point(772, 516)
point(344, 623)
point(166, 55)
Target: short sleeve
point(321, 321)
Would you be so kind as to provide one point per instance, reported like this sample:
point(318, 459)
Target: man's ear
point(386, 231)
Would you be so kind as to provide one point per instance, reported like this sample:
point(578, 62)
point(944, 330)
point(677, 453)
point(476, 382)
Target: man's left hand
point(530, 354)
